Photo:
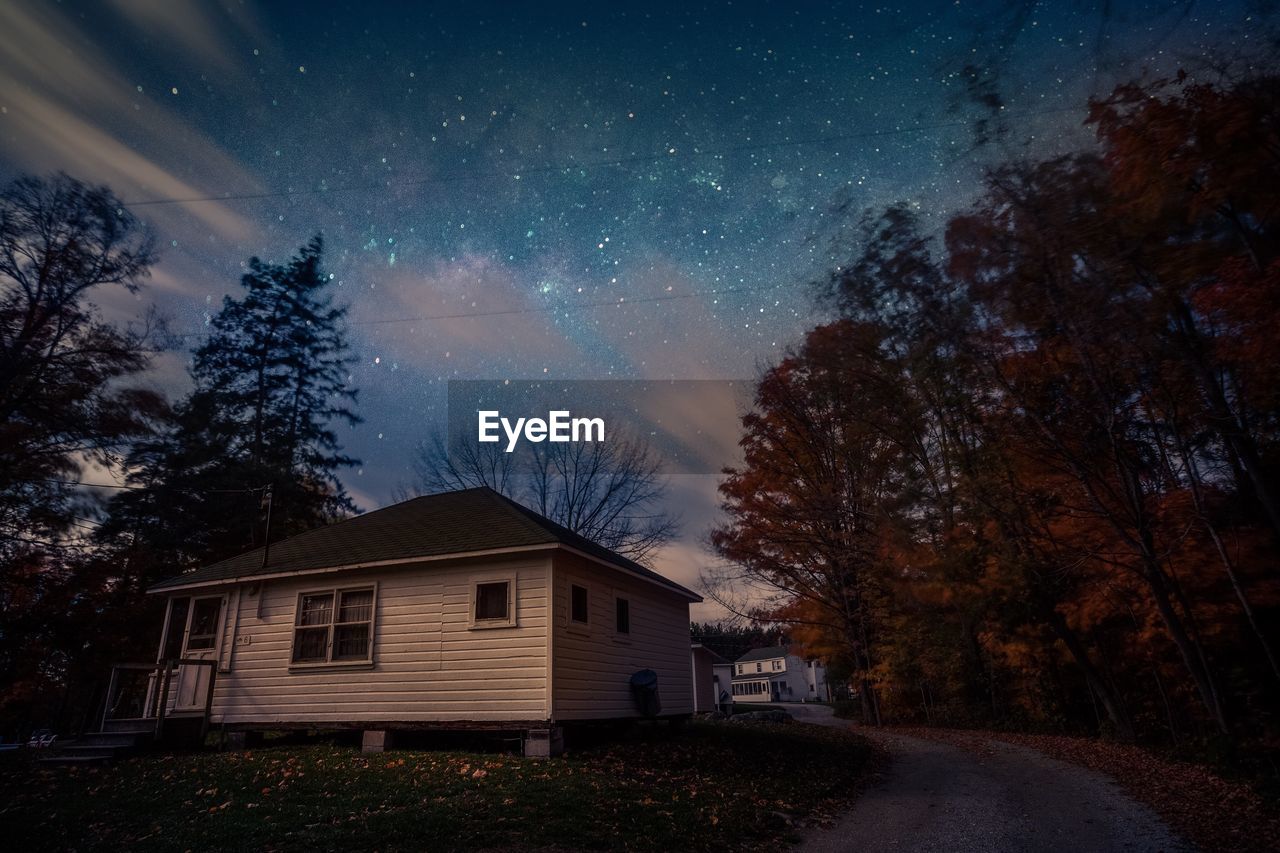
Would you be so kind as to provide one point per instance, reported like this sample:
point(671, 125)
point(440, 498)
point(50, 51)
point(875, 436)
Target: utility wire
point(142, 488)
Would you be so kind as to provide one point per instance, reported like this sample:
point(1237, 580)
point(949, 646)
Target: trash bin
point(644, 690)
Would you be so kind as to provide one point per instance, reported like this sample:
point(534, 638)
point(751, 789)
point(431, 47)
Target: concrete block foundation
point(544, 743)
point(377, 740)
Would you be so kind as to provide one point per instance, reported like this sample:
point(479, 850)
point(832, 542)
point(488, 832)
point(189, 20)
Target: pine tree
point(270, 384)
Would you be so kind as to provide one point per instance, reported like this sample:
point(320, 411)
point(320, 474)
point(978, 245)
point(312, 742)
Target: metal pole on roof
point(266, 504)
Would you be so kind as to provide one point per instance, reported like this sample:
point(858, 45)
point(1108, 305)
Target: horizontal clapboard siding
point(591, 669)
point(429, 664)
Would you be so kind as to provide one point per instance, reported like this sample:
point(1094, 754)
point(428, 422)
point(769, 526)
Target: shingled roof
point(767, 653)
point(462, 522)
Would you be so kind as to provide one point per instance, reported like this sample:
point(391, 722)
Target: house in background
point(461, 610)
point(712, 681)
point(775, 675)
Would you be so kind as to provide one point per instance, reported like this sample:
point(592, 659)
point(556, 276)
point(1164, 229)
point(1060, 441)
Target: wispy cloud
point(67, 106)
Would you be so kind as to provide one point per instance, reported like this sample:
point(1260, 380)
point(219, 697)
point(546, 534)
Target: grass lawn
point(710, 786)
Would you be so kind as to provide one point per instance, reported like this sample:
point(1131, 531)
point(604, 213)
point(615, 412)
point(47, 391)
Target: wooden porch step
point(96, 748)
point(130, 724)
point(113, 739)
point(79, 760)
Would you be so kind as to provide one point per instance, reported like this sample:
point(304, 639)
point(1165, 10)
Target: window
point(758, 667)
point(178, 608)
point(204, 623)
point(351, 633)
point(491, 600)
point(334, 626)
point(623, 621)
point(777, 666)
point(739, 669)
point(578, 604)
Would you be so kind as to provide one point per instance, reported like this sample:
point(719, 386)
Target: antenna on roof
point(266, 505)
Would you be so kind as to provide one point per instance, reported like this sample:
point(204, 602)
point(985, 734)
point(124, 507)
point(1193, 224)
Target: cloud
point(192, 28)
point(523, 341)
point(67, 106)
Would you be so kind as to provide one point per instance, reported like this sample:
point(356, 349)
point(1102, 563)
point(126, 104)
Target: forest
point(1022, 475)
point(1025, 476)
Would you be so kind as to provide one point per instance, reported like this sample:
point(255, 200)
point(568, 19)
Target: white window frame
point(329, 662)
point(215, 638)
point(510, 621)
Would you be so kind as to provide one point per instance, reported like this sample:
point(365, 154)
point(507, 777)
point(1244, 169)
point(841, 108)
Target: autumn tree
point(819, 494)
point(65, 372)
point(1195, 167)
point(70, 400)
point(1074, 402)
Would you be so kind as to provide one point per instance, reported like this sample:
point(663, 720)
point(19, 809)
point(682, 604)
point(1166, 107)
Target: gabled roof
point(447, 524)
point(768, 653)
point(715, 656)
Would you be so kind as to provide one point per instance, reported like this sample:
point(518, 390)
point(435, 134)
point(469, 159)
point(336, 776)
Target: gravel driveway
point(941, 797)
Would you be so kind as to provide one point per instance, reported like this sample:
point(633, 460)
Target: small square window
point(623, 616)
point(491, 600)
point(578, 603)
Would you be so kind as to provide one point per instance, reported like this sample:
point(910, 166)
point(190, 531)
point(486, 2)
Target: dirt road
point(940, 797)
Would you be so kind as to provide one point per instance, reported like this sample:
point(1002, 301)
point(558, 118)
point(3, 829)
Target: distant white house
point(775, 675)
point(459, 610)
point(712, 681)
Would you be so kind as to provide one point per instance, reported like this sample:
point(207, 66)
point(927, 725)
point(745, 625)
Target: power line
point(670, 154)
point(140, 488)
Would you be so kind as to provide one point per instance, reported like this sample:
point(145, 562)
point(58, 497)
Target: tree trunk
point(1192, 655)
point(1226, 422)
point(1111, 702)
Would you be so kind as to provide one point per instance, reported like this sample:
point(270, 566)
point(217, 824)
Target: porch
point(169, 701)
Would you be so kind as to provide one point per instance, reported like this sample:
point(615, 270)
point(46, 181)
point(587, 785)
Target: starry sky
point(554, 190)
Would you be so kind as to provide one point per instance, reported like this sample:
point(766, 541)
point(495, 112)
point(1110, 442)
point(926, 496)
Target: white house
point(457, 610)
point(775, 675)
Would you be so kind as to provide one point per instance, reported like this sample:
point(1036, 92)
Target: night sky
point(638, 193)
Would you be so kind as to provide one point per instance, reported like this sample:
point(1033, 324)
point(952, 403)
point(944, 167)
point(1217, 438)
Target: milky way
point(642, 193)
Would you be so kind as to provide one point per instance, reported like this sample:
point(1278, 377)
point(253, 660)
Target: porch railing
point(140, 691)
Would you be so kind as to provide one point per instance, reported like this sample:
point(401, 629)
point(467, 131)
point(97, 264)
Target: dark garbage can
point(644, 690)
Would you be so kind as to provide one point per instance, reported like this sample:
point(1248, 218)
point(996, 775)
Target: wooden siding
point(592, 667)
point(428, 663)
